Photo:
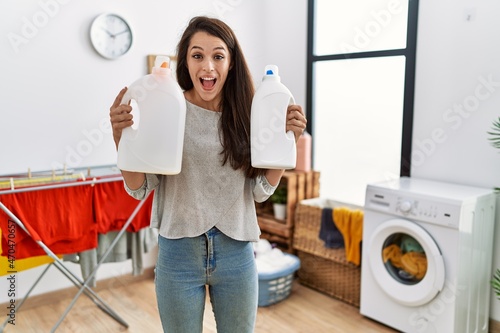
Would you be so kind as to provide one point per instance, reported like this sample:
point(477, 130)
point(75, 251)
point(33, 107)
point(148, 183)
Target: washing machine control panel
point(405, 206)
point(439, 213)
point(424, 208)
point(414, 208)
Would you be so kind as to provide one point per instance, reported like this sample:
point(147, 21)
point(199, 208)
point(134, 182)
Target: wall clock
point(110, 35)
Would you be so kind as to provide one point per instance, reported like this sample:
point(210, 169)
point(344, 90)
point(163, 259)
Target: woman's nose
point(208, 66)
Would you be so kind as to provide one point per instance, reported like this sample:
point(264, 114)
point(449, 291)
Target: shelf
point(271, 225)
point(300, 186)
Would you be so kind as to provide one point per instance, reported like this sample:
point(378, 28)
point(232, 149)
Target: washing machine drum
point(406, 262)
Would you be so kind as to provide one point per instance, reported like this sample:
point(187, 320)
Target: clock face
point(110, 35)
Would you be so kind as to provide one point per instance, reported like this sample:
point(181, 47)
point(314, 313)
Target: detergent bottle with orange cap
point(154, 143)
point(271, 146)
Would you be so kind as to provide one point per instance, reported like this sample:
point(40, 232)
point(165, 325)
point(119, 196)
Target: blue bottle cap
point(271, 70)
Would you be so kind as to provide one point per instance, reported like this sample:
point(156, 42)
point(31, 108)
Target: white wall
point(454, 103)
point(286, 43)
point(58, 76)
point(55, 89)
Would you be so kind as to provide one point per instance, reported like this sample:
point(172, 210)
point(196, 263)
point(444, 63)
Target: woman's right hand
point(120, 116)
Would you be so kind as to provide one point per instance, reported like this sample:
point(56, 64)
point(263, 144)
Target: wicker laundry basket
point(322, 268)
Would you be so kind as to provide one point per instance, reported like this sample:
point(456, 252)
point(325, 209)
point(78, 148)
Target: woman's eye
point(219, 57)
point(197, 56)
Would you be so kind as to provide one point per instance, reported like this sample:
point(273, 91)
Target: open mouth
point(208, 82)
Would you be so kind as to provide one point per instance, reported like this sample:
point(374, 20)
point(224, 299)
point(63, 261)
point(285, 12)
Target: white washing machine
point(427, 256)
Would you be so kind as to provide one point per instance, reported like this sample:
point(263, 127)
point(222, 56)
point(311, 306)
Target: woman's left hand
point(295, 120)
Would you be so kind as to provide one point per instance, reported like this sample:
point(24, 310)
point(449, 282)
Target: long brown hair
point(237, 94)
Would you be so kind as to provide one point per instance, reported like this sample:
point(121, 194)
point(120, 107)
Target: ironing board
point(82, 285)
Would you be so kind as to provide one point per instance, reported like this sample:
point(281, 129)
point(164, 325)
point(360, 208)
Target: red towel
point(113, 206)
point(62, 218)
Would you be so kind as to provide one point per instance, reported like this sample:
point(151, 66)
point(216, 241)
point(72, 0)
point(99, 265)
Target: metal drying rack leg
point(83, 285)
point(27, 294)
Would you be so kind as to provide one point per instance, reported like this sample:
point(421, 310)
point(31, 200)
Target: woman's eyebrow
point(196, 47)
point(214, 49)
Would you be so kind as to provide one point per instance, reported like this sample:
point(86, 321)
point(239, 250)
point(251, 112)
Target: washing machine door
point(406, 262)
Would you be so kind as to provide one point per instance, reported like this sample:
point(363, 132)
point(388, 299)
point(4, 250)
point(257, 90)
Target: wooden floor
point(304, 311)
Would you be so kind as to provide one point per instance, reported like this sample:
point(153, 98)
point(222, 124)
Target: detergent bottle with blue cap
point(271, 146)
point(154, 143)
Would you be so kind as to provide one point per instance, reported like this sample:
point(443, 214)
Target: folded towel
point(328, 232)
point(350, 224)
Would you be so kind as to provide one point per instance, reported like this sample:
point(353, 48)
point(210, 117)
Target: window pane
point(346, 26)
point(358, 112)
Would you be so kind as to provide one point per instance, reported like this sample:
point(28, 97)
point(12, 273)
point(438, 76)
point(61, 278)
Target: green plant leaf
point(495, 283)
point(495, 134)
point(279, 195)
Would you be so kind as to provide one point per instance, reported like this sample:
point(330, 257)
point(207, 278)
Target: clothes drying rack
point(83, 285)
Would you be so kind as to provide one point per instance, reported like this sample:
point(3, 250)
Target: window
point(361, 63)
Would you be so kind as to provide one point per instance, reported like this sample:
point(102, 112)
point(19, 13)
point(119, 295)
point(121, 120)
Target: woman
point(206, 214)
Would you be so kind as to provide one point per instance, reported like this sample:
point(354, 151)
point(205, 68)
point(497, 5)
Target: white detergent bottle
point(154, 143)
point(271, 146)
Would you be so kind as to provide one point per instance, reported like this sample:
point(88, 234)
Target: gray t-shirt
point(205, 193)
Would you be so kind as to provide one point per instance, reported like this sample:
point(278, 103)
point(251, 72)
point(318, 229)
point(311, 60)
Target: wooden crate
point(298, 188)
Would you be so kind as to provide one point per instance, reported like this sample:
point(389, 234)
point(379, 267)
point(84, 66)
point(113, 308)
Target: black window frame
point(409, 86)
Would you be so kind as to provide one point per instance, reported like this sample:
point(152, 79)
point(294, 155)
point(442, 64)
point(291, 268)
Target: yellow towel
point(393, 254)
point(350, 224)
point(415, 263)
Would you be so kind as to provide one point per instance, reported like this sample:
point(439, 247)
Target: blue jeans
point(186, 266)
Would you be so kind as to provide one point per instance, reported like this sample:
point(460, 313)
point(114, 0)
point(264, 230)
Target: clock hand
point(109, 33)
point(122, 32)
